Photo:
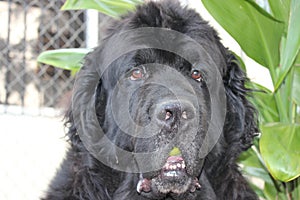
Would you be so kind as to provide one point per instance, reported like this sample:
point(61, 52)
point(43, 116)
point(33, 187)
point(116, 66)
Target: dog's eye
point(136, 74)
point(196, 75)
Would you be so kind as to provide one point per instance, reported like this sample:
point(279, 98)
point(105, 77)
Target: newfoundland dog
point(159, 111)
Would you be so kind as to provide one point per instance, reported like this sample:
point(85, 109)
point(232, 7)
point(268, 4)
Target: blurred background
point(33, 96)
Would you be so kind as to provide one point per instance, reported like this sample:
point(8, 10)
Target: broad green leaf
point(240, 61)
point(292, 44)
point(266, 104)
point(280, 9)
point(256, 32)
point(297, 62)
point(258, 87)
point(296, 191)
point(280, 149)
point(296, 86)
point(261, 10)
point(69, 59)
point(271, 193)
point(252, 166)
point(113, 8)
point(257, 190)
point(264, 101)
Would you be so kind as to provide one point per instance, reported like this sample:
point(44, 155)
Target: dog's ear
point(241, 117)
point(100, 104)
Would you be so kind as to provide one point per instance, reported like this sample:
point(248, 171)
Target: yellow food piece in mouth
point(175, 152)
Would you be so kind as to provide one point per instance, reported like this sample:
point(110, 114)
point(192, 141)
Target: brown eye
point(136, 74)
point(196, 75)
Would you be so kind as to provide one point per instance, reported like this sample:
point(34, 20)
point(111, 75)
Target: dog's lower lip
point(144, 185)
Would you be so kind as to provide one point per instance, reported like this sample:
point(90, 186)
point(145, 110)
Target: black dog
point(171, 104)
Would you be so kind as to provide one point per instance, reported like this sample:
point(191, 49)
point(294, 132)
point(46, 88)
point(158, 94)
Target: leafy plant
point(270, 38)
point(273, 40)
point(70, 59)
point(112, 8)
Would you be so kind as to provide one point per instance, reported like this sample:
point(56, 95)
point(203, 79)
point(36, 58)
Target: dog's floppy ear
point(241, 116)
point(100, 104)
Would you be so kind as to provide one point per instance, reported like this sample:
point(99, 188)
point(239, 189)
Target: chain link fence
point(32, 95)
point(29, 27)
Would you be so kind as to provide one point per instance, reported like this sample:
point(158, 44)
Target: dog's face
point(169, 104)
point(163, 108)
point(157, 102)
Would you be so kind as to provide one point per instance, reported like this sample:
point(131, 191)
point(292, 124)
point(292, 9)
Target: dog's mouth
point(173, 168)
point(173, 178)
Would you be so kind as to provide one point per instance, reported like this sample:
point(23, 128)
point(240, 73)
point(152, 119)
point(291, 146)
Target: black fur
point(83, 177)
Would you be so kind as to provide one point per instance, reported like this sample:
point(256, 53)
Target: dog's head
point(166, 96)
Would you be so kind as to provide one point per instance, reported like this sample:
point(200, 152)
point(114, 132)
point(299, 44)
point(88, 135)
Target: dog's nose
point(174, 111)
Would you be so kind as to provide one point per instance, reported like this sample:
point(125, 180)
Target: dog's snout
point(174, 111)
point(169, 113)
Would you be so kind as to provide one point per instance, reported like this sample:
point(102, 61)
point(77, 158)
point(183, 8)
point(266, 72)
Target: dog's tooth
point(178, 165)
point(184, 115)
point(167, 166)
point(183, 165)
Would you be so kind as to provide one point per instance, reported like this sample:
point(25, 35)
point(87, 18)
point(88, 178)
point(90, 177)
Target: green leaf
point(296, 191)
point(296, 86)
point(280, 149)
point(252, 166)
point(262, 11)
point(256, 32)
point(280, 9)
point(272, 194)
point(240, 61)
point(258, 87)
point(257, 190)
point(292, 44)
point(68, 59)
point(265, 102)
point(113, 8)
